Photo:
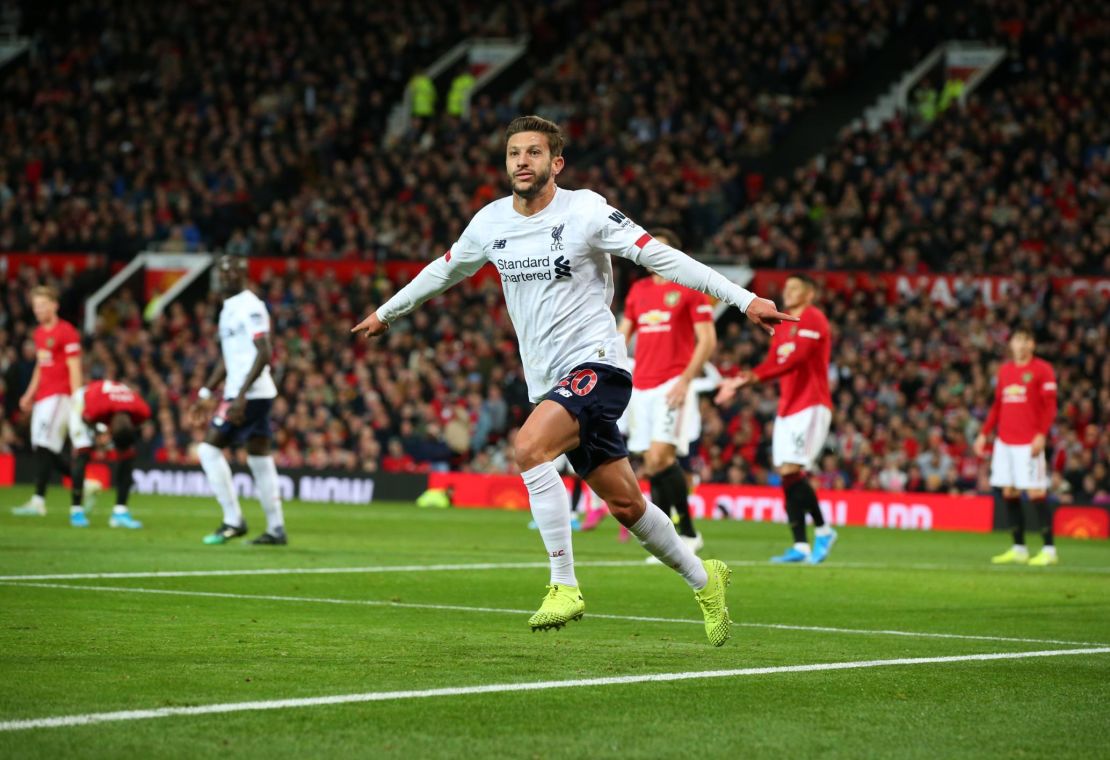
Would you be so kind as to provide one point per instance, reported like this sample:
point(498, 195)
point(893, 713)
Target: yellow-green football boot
point(1011, 557)
point(1044, 559)
point(561, 605)
point(714, 607)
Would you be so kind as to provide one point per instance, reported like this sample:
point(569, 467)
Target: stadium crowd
point(184, 126)
point(238, 127)
point(912, 382)
point(255, 142)
point(1017, 181)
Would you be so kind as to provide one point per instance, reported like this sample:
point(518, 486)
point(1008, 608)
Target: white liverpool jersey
point(242, 319)
point(558, 278)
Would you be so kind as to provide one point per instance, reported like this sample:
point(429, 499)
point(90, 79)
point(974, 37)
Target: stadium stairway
point(916, 34)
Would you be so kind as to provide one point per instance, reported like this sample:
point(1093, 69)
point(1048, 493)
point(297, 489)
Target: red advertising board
point(878, 509)
point(941, 289)
point(873, 509)
point(1081, 522)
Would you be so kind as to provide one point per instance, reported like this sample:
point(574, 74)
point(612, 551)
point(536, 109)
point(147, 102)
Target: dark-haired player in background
point(105, 405)
point(675, 335)
point(1024, 409)
point(244, 414)
point(799, 359)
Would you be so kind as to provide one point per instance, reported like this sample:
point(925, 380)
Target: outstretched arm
point(463, 260)
point(615, 233)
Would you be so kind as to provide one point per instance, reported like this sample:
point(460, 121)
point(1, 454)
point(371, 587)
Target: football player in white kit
point(551, 247)
point(244, 413)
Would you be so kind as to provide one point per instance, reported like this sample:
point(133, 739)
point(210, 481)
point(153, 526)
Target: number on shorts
point(581, 382)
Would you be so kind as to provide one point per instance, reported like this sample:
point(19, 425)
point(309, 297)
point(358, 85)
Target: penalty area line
point(62, 721)
point(510, 611)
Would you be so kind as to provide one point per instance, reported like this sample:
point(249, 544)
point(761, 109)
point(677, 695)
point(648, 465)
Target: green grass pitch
point(68, 649)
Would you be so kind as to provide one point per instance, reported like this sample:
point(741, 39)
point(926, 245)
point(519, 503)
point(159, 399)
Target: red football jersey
point(799, 355)
point(104, 399)
point(52, 348)
point(663, 318)
point(1024, 402)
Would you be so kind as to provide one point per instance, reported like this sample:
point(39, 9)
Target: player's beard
point(539, 182)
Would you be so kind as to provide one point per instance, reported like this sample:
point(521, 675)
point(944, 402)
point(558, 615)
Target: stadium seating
point(1016, 183)
point(208, 137)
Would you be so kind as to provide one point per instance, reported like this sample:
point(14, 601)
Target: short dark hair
point(804, 278)
point(533, 123)
point(123, 431)
point(229, 261)
point(675, 241)
point(1023, 329)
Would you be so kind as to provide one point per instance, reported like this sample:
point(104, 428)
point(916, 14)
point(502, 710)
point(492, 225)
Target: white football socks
point(218, 472)
point(266, 483)
point(551, 511)
point(658, 535)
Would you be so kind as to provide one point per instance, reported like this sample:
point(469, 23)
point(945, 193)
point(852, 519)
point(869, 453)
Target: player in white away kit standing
point(244, 413)
point(1024, 409)
point(552, 247)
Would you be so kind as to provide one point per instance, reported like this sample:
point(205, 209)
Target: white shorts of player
point(81, 436)
point(799, 437)
point(1016, 467)
point(651, 418)
point(49, 422)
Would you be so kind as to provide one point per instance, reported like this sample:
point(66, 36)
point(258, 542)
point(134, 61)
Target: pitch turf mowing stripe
point(478, 566)
point(316, 570)
point(386, 696)
point(509, 611)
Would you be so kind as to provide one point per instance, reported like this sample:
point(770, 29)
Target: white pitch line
point(370, 569)
point(510, 611)
point(500, 688)
point(950, 567)
point(466, 567)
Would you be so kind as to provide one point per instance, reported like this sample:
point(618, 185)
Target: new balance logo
point(562, 268)
point(499, 245)
point(617, 217)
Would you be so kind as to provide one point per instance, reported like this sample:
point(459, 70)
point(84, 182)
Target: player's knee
point(627, 508)
point(258, 447)
point(530, 451)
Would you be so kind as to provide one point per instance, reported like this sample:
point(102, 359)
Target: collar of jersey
point(521, 217)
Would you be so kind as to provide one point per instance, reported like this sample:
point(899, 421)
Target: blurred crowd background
point(261, 129)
